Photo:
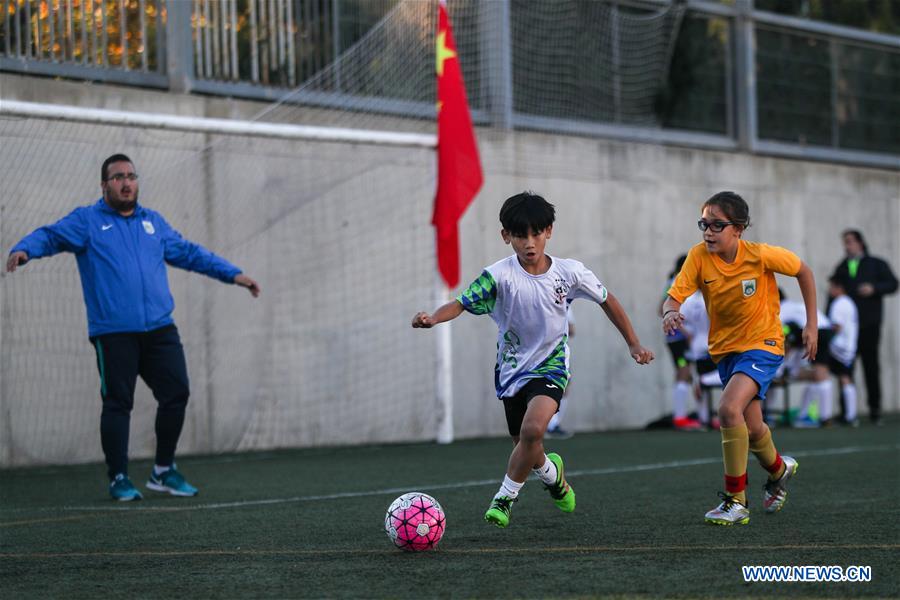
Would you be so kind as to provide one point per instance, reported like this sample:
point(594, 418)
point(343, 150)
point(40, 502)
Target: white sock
point(680, 396)
point(808, 394)
point(703, 409)
point(546, 473)
point(850, 402)
point(159, 469)
point(825, 392)
point(509, 488)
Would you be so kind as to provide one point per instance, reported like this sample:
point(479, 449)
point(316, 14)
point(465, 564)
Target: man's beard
point(120, 205)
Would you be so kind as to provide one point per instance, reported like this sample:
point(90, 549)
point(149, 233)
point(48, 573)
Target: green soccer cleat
point(498, 513)
point(562, 493)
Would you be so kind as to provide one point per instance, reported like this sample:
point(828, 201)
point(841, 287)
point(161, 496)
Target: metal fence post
point(745, 74)
point(179, 46)
point(496, 57)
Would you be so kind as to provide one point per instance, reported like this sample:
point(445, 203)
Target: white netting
point(594, 60)
point(337, 234)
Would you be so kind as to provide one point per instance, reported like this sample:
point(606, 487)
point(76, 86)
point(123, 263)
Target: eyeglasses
point(120, 177)
point(716, 226)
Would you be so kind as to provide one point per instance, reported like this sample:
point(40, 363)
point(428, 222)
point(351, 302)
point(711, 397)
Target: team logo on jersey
point(148, 227)
point(603, 293)
point(749, 287)
point(560, 290)
point(510, 349)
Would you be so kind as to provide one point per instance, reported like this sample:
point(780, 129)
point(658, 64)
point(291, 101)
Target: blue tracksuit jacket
point(122, 262)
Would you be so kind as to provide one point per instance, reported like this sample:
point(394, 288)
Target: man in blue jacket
point(122, 249)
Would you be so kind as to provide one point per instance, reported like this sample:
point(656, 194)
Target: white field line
point(659, 466)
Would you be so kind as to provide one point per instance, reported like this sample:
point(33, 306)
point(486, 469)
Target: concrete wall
point(625, 209)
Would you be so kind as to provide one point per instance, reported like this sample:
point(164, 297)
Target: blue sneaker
point(171, 482)
point(122, 489)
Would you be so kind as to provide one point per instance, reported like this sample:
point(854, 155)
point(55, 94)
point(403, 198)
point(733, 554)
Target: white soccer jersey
point(696, 323)
point(843, 313)
point(531, 316)
point(794, 311)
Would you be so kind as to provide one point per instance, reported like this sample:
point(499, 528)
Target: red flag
point(459, 175)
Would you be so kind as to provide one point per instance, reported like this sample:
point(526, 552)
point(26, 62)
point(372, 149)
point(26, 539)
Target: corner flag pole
point(443, 370)
point(459, 177)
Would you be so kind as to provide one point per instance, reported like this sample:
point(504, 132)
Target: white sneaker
point(775, 493)
point(729, 512)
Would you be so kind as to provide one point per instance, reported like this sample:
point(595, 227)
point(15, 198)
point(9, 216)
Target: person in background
point(678, 346)
point(867, 280)
point(555, 431)
point(842, 350)
point(815, 408)
point(696, 326)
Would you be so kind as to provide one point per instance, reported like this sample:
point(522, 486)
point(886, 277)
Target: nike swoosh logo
point(552, 386)
point(105, 227)
point(755, 368)
point(708, 282)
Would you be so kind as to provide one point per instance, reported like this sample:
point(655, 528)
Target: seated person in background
point(817, 397)
point(842, 349)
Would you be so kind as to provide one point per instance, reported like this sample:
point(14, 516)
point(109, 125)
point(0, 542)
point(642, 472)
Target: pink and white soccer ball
point(415, 522)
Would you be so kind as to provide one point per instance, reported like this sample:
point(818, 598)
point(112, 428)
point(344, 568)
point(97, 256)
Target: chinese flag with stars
point(459, 175)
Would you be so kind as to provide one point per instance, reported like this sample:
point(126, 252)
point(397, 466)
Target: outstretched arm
point(616, 314)
point(447, 312)
point(69, 234)
point(808, 290)
point(247, 282)
point(16, 259)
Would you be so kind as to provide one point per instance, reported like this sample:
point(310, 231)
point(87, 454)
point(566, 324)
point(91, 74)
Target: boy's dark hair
point(837, 282)
point(856, 233)
point(734, 207)
point(104, 170)
point(526, 213)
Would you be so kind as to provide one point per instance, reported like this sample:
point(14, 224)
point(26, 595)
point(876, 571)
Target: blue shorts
point(758, 365)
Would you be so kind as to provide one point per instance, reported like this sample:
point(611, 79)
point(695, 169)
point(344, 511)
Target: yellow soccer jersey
point(741, 298)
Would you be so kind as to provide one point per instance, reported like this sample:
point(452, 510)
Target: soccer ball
point(415, 522)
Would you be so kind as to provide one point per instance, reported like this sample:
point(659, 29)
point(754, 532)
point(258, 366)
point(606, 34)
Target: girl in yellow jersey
point(737, 279)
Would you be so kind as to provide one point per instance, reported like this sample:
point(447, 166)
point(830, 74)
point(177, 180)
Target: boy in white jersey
point(842, 349)
point(527, 296)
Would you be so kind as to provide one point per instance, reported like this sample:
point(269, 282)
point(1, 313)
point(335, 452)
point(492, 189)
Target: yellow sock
point(764, 449)
point(735, 445)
